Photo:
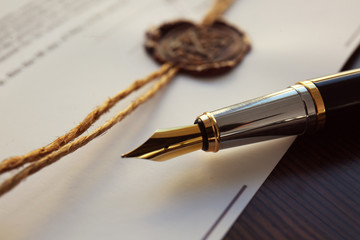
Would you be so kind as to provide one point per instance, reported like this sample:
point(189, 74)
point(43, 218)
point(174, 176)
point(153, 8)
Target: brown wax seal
point(198, 48)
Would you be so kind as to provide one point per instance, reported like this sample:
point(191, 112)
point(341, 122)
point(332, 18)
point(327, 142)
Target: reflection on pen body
point(302, 108)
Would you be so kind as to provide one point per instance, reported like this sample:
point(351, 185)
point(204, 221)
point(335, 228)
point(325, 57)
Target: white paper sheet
point(83, 53)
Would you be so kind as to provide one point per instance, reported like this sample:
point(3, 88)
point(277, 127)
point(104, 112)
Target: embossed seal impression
point(198, 48)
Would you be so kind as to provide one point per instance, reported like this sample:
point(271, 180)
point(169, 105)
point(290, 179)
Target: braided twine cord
point(71, 141)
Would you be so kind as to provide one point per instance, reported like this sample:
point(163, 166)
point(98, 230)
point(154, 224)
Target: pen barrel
point(285, 113)
point(341, 95)
point(331, 101)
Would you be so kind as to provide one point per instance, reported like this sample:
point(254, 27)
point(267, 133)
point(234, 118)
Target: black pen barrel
point(341, 96)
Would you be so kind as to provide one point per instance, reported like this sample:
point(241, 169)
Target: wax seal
point(197, 48)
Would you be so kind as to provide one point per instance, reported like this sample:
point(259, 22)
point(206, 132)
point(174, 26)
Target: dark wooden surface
point(314, 191)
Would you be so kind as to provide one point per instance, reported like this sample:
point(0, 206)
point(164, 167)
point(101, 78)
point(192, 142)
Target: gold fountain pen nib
point(169, 143)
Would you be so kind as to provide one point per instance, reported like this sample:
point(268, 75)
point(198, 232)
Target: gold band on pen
point(316, 95)
point(318, 101)
point(212, 131)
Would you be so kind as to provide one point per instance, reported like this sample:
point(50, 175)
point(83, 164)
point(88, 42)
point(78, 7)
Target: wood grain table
point(313, 193)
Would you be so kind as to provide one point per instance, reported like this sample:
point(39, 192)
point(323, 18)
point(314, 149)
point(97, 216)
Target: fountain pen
point(332, 101)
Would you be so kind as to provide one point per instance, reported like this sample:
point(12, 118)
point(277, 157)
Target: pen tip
point(168, 143)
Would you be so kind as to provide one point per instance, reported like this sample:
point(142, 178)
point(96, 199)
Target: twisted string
point(71, 141)
point(13, 181)
point(90, 119)
point(216, 11)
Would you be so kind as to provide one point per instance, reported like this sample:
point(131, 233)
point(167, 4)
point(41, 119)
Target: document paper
point(59, 59)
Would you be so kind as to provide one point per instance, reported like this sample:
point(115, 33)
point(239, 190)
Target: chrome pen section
point(285, 113)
